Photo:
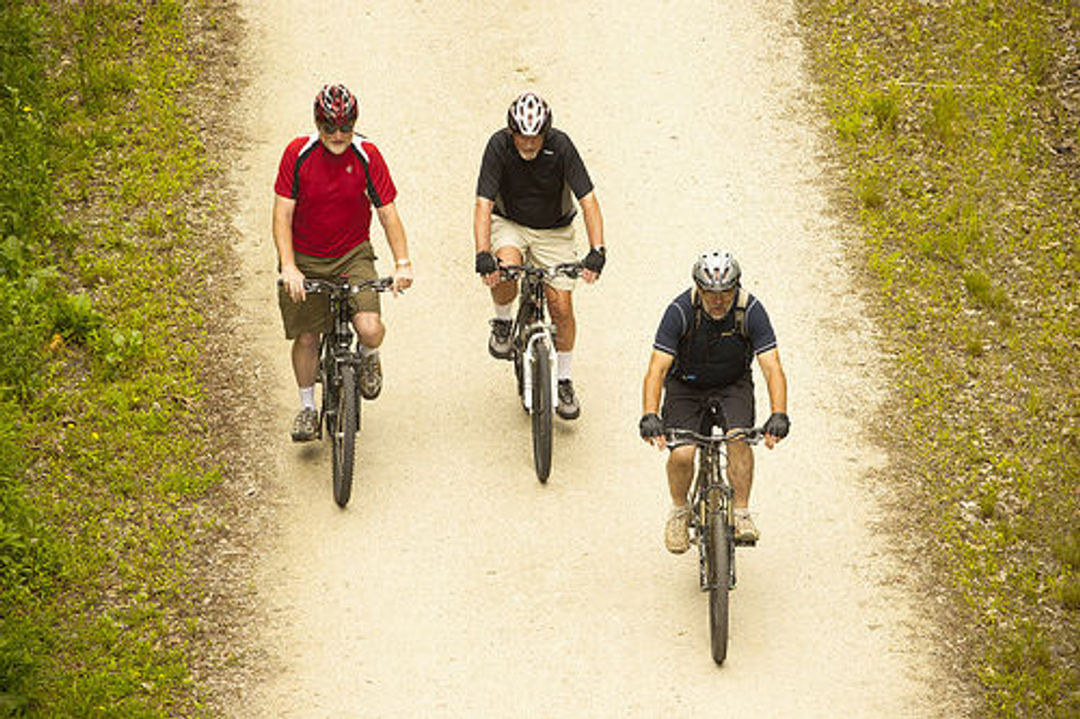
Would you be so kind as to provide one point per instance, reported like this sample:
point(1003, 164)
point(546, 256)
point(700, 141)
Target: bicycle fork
point(714, 506)
point(332, 393)
point(526, 369)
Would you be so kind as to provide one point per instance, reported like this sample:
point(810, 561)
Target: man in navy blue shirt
point(702, 352)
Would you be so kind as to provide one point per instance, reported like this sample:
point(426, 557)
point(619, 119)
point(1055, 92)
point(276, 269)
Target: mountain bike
point(339, 363)
point(712, 518)
point(533, 353)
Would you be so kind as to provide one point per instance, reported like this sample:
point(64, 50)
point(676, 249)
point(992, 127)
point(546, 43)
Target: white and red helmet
point(336, 106)
point(529, 115)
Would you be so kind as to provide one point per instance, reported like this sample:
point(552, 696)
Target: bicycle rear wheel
point(719, 561)
point(344, 435)
point(542, 409)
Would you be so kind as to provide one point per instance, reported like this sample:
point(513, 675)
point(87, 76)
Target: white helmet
point(529, 115)
point(717, 271)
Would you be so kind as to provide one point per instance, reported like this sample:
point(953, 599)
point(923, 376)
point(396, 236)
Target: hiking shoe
point(370, 376)
point(745, 529)
point(306, 425)
point(568, 407)
point(499, 342)
point(676, 531)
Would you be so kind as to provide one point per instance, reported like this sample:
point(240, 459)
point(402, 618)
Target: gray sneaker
point(499, 342)
point(370, 376)
point(568, 407)
point(306, 425)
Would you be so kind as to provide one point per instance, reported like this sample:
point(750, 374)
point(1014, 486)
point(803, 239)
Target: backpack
point(741, 300)
point(694, 373)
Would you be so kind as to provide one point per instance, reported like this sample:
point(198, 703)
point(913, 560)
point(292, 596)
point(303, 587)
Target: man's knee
point(509, 255)
point(368, 324)
point(307, 340)
point(681, 457)
point(740, 458)
point(560, 306)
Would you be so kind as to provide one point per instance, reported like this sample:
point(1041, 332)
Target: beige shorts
point(543, 248)
point(313, 314)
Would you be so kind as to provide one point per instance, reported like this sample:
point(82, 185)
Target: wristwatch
point(404, 262)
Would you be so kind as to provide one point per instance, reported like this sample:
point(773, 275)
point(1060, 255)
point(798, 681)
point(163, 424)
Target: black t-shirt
point(534, 193)
point(717, 355)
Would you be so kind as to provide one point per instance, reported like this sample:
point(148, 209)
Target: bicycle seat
point(714, 417)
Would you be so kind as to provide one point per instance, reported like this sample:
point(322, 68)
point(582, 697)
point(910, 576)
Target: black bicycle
point(712, 519)
point(533, 352)
point(339, 363)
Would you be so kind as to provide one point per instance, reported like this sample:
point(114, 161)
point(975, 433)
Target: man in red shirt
point(326, 185)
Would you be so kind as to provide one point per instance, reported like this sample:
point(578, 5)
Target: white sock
point(564, 363)
point(366, 351)
point(307, 397)
point(502, 312)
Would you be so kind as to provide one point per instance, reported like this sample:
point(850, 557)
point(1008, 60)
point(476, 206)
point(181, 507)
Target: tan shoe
point(745, 529)
point(677, 530)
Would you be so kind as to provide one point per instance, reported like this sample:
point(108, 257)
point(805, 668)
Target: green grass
point(105, 483)
point(960, 158)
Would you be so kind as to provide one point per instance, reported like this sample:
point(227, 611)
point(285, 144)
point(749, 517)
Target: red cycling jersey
point(333, 193)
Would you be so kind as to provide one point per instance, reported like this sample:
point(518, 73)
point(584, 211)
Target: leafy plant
point(973, 275)
point(98, 518)
point(75, 318)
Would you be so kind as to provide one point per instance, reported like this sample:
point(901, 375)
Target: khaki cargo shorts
point(313, 314)
point(543, 248)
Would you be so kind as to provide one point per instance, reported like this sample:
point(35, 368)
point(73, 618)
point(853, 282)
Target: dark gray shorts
point(313, 314)
point(685, 406)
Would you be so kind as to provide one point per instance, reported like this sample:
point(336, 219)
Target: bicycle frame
point(712, 520)
point(531, 325)
point(337, 347)
point(713, 497)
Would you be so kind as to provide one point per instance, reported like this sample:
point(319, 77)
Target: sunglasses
point(329, 129)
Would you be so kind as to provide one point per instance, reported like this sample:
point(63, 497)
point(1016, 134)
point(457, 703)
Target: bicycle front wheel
point(344, 435)
point(719, 561)
point(542, 410)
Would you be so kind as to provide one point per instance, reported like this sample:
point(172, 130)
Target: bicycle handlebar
point(567, 269)
point(314, 285)
point(738, 434)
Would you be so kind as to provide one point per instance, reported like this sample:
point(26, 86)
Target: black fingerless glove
point(651, 426)
point(594, 261)
point(777, 425)
point(486, 263)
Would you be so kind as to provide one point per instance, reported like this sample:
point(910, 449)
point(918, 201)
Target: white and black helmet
point(529, 115)
point(717, 271)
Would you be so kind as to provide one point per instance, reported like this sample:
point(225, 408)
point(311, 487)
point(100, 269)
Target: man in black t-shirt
point(529, 177)
point(702, 355)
